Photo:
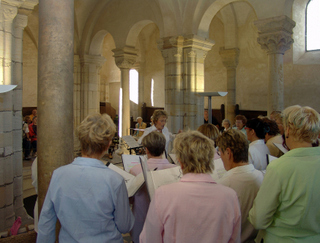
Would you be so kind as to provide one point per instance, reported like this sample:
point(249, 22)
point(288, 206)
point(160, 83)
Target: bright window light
point(134, 86)
point(313, 25)
point(152, 91)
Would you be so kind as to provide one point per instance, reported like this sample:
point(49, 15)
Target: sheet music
point(131, 142)
point(281, 147)
point(173, 159)
point(133, 183)
point(130, 160)
point(157, 178)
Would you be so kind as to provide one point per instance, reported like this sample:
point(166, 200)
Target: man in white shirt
point(241, 176)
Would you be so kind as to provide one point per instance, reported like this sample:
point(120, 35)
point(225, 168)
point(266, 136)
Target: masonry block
point(17, 140)
point(9, 194)
point(5, 140)
point(6, 121)
point(8, 151)
point(8, 170)
point(17, 99)
point(17, 186)
point(17, 163)
point(6, 101)
point(2, 197)
point(17, 120)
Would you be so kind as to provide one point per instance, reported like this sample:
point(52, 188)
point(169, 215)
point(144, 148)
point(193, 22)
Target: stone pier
point(125, 59)
point(184, 77)
point(230, 59)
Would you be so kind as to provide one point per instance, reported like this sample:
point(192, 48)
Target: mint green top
point(287, 205)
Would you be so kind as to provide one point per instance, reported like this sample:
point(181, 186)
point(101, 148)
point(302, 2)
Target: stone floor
point(29, 200)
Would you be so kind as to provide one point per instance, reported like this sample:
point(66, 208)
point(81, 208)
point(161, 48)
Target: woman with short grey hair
point(287, 207)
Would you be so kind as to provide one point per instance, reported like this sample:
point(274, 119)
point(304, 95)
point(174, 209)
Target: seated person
point(241, 176)
point(212, 132)
point(140, 125)
point(195, 209)
point(258, 150)
point(273, 136)
point(154, 144)
point(226, 124)
point(89, 199)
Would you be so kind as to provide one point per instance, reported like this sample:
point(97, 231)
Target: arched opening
point(313, 25)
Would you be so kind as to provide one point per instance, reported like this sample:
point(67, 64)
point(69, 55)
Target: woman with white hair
point(89, 199)
point(195, 209)
point(226, 124)
point(287, 207)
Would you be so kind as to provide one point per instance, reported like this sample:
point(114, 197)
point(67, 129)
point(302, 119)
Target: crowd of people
point(253, 200)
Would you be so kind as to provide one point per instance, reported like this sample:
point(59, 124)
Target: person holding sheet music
point(241, 176)
point(159, 124)
point(89, 199)
point(195, 209)
point(256, 130)
point(287, 207)
point(154, 144)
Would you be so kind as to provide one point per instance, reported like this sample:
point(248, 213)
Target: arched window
point(313, 25)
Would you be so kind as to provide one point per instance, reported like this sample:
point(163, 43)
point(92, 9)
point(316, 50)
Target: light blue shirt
point(90, 201)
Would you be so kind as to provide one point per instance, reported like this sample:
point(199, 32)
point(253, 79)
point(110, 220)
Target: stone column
point(230, 59)
point(275, 37)
point(125, 59)
point(195, 52)
point(90, 84)
point(8, 13)
point(55, 89)
point(172, 51)
point(184, 77)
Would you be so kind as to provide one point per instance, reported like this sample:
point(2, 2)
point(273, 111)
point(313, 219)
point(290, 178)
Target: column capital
point(275, 34)
point(197, 42)
point(9, 12)
point(230, 57)
point(125, 57)
point(20, 21)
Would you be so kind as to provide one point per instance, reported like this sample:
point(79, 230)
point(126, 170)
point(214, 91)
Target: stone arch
point(95, 47)
point(203, 29)
point(135, 30)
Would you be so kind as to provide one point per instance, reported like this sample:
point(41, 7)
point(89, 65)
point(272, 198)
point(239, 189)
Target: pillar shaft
point(230, 59)
point(90, 84)
point(125, 59)
point(125, 101)
point(275, 37)
point(55, 89)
